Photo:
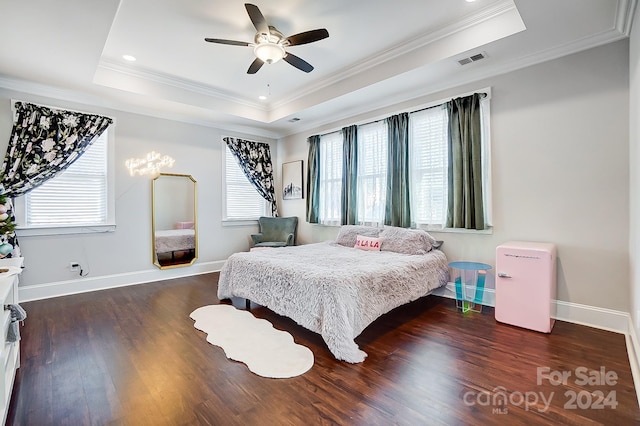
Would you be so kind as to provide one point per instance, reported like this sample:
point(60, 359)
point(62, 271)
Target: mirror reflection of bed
point(175, 246)
point(174, 220)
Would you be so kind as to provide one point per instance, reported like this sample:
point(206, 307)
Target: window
point(428, 169)
point(330, 178)
point(77, 200)
point(372, 172)
point(428, 133)
point(241, 199)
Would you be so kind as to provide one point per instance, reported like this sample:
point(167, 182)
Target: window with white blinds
point(330, 178)
point(428, 133)
point(372, 172)
point(77, 196)
point(242, 200)
point(428, 169)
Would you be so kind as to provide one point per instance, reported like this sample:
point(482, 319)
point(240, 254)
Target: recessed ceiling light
point(265, 97)
point(129, 58)
point(470, 1)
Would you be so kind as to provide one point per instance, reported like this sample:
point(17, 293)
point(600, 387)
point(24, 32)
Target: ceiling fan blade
point(231, 42)
point(257, 18)
point(299, 63)
point(255, 66)
point(307, 37)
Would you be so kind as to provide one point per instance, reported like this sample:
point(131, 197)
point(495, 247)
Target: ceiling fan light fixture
point(269, 53)
point(269, 44)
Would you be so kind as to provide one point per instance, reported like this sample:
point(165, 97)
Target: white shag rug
point(253, 341)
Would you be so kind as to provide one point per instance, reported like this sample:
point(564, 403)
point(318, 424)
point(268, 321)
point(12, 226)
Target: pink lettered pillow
point(368, 243)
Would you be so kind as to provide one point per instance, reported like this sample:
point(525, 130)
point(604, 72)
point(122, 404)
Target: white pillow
point(368, 243)
point(348, 234)
point(406, 241)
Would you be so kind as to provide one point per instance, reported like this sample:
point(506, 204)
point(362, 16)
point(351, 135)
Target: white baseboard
point(633, 350)
point(83, 285)
point(592, 316)
point(449, 291)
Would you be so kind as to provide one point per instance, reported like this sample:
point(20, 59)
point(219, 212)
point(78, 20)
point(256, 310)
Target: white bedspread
point(175, 240)
point(330, 289)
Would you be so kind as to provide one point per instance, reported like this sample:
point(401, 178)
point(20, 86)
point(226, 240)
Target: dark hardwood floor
point(131, 356)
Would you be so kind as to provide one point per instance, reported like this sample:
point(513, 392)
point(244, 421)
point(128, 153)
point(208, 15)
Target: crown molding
point(624, 16)
point(77, 97)
point(47, 91)
point(566, 49)
point(494, 10)
point(480, 73)
point(620, 28)
point(179, 83)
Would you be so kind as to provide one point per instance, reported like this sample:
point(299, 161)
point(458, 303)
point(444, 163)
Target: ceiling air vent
point(472, 58)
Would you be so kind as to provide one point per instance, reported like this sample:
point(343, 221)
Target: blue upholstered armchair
point(276, 232)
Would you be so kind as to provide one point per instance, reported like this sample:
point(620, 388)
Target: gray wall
point(560, 145)
point(197, 151)
point(560, 170)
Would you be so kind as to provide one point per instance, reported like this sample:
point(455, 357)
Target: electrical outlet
point(74, 266)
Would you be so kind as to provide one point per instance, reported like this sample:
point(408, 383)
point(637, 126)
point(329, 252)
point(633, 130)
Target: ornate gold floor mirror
point(174, 220)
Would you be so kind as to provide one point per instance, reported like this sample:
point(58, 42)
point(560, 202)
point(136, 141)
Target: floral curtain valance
point(44, 142)
point(254, 159)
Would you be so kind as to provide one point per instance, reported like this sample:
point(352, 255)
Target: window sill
point(488, 231)
point(239, 222)
point(63, 230)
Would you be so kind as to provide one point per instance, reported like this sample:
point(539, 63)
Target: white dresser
point(10, 352)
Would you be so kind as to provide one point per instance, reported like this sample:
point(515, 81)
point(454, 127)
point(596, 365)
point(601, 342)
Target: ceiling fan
point(269, 44)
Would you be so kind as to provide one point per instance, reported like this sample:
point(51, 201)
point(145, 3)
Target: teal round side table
point(469, 282)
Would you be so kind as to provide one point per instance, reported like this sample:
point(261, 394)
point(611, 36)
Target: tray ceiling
point(378, 53)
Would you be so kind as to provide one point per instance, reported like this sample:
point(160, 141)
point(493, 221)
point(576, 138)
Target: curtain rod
point(482, 95)
point(57, 108)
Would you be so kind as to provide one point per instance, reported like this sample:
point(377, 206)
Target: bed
point(173, 240)
point(335, 289)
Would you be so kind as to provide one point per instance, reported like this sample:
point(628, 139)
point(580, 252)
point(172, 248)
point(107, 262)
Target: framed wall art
point(292, 180)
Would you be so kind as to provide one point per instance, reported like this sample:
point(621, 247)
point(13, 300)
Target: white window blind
point(372, 172)
point(242, 200)
point(78, 196)
point(485, 112)
point(428, 134)
point(330, 178)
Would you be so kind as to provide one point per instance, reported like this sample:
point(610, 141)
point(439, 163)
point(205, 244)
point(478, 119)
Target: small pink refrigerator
point(526, 285)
